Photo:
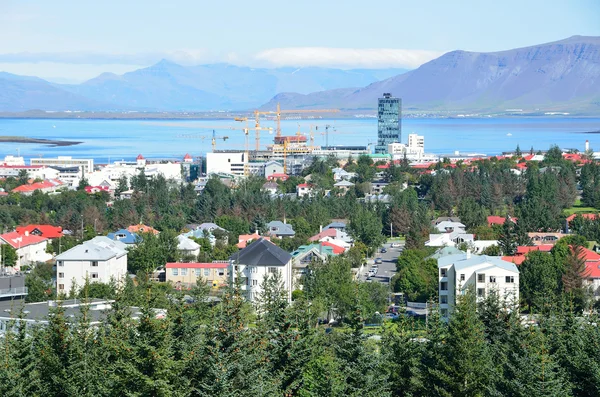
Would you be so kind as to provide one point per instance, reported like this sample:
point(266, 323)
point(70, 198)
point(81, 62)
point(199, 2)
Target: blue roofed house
point(341, 226)
point(205, 230)
point(125, 236)
point(280, 229)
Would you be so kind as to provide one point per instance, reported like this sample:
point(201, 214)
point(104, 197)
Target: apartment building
point(483, 274)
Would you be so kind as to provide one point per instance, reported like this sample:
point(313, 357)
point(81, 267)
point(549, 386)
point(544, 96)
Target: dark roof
point(262, 253)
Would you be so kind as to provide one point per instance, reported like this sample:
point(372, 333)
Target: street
point(387, 268)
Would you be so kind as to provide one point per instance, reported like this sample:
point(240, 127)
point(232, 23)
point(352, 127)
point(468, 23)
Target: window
point(206, 272)
point(175, 271)
point(443, 272)
point(443, 299)
point(444, 312)
point(462, 277)
point(60, 263)
point(481, 292)
point(94, 263)
point(184, 271)
point(254, 283)
point(273, 270)
point(94, 275)
point(61, 275)
point(221, 272)
point(197, 272)
point(61, 286)
point(510, 279)
point(444, 286)
point(492, 279)
point(481, 278)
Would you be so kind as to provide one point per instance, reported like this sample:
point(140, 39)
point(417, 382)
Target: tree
point(417, 276)
point(508, 240)
point(518, 152)
point(365, 226)
point(9, 255)
point(575, 275)
point(539, 281)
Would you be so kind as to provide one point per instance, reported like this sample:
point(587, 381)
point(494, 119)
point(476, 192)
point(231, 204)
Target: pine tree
point(507, 241)
point(518, 152)
point(574, 276)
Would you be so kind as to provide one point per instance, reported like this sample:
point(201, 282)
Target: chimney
point(468, 254)
point(26, 233)
point(320, 228)
point(587, 145)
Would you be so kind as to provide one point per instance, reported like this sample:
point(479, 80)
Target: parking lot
point(387, 267)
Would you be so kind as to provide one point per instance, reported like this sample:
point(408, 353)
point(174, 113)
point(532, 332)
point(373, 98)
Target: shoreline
point(48, 142)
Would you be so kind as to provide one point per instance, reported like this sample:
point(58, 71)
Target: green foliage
point(366, 227)
point(417, 276)
point(153, 251)
point(9, 255)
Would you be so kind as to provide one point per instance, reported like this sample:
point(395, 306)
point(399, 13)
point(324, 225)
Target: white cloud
point(346, 57)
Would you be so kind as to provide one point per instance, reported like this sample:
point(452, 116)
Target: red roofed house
point(592, 265)
point(187, 158)
point(498, 220)
point(47, 186)
point(186, 274)
point(325, 233)
point(278, 176)
point(517, 260)
point(47, 231)
point(30, 248)
point(244, 239)
point(96, 189)
point(336, 248)
point(304, 189)
point(141, 228)
point(585, 216)
point(525, 249)
point(541, 238)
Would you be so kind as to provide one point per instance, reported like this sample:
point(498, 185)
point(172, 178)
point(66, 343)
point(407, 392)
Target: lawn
point(578, 208)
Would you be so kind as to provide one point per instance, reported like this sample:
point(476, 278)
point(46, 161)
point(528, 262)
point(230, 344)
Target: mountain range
point(167, 86)
point(559, 76)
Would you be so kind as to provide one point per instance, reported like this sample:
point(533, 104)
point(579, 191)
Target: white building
point(483, 274)
point(254, 262)
point(14, 160)
point(99, 259)
point(30, 248)
point(234, 163)
point(414, 150)
point(187, 246)
point(111, 173)
point(273, 167)
point(33, 171)
point(65, 161)
point(341, 152)
point(450, 239)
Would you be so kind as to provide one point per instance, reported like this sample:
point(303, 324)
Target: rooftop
point(463, 261)
point(17, 240)
point(261, 253)
point(99, 248)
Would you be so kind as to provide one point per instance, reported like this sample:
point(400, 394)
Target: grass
point(578, 208)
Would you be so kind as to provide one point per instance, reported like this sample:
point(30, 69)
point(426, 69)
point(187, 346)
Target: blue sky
point(75, 40)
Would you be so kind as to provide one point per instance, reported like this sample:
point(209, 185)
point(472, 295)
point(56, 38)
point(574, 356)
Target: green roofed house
point(305, 254)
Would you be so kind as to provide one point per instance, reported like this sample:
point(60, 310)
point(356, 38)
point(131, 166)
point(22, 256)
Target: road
point(387, 269)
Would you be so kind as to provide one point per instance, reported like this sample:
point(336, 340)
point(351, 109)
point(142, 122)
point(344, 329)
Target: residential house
point(340, 174)
point(126, 195)
point(542, 238)
point(445, 219)
point(449, 239)
point(30, 248)
point(245, 239)
point(592, 273)
point(587, 216)
point(99, 260)
point(306, 254)
point(344, 186)
point(205, 230)
point(483, 274)
point(48, 231)
point(449, 227)
point(46, 186)
point(187, 247)
point(280, 229)
point(186, 274)
point(125, 236)
point(341, 226)
point(304, 189)
point(333, 233)
point(270, 187)
point(378, 186)
point(278, 176)
point(97, 189)
point(479, 246)
point(256, 261)
point(498, 220)
point(141, 228)
point(273, 167)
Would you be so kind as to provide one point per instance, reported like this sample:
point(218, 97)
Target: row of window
point(92, 275)
point(198, 272)
point(61, 263)
point(480, 277)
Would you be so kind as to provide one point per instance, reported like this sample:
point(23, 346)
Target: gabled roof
point(517, 260)
point(588, 216)
point(47, 184)
point(99, 248)
point(343, 184)
point(47, 231)
point(128, 237)
point(244, 238)
point(270, 185)
point(141, 228)
point(209, 226)
point(335, 225)
point(498, 220)
point(261, 253)
point(522, 250)
point(321, 249)
point(139, 157)
point(17, 240)
point(445, 251)
point(304, 185)
point(186, 244)
point(283, 229)
point(336, 248)
point(331, 232)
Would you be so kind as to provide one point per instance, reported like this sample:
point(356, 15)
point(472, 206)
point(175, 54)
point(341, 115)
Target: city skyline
point(60, 41)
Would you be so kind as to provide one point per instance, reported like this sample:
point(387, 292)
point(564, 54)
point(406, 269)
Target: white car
point(395, 245)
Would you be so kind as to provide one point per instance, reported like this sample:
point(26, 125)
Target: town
point(303, 240)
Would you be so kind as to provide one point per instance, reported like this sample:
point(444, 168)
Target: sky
point(71, 41)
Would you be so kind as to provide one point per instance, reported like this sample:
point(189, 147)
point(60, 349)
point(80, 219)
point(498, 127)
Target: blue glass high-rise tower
point(389, 122)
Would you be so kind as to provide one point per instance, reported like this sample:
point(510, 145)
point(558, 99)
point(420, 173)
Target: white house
point(187, 246)
point(234, 163)
point(450, 226)
point(99, 259)
point(484, 274)
point(449, 239)
point(30, 248)
point(254, 262)
point(304, 189)
point(273, 167)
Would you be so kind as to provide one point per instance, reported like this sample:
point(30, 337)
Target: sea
point(110, 140)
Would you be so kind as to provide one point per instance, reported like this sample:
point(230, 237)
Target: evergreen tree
point(508, 240)
point(518, 152)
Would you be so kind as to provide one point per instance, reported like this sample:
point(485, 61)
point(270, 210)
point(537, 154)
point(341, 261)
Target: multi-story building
point(65, 162)
point(483, 274)
point(257, 260)
point(99, 260)
point(389, 122)
point(186, 274)
point(233, 163)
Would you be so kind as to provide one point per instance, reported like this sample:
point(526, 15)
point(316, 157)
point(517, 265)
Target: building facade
point(186, 274)
point(65, 161)
point(99, 260)
point(483, 274)
point(389, 122)
point(233, 163)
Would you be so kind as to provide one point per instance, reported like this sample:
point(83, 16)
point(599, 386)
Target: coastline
point(48, 142)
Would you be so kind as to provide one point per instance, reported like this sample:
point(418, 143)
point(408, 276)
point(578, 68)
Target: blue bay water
point(105, 140)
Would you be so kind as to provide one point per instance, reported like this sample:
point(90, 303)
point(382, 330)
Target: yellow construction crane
point(279, 112)
point(203, 137)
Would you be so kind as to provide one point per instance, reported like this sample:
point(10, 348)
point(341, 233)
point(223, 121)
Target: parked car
point(395, 245)
point(378, 261)
point(369, 280)
point(391, 316)
point(411, 313)
point(383, 250)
